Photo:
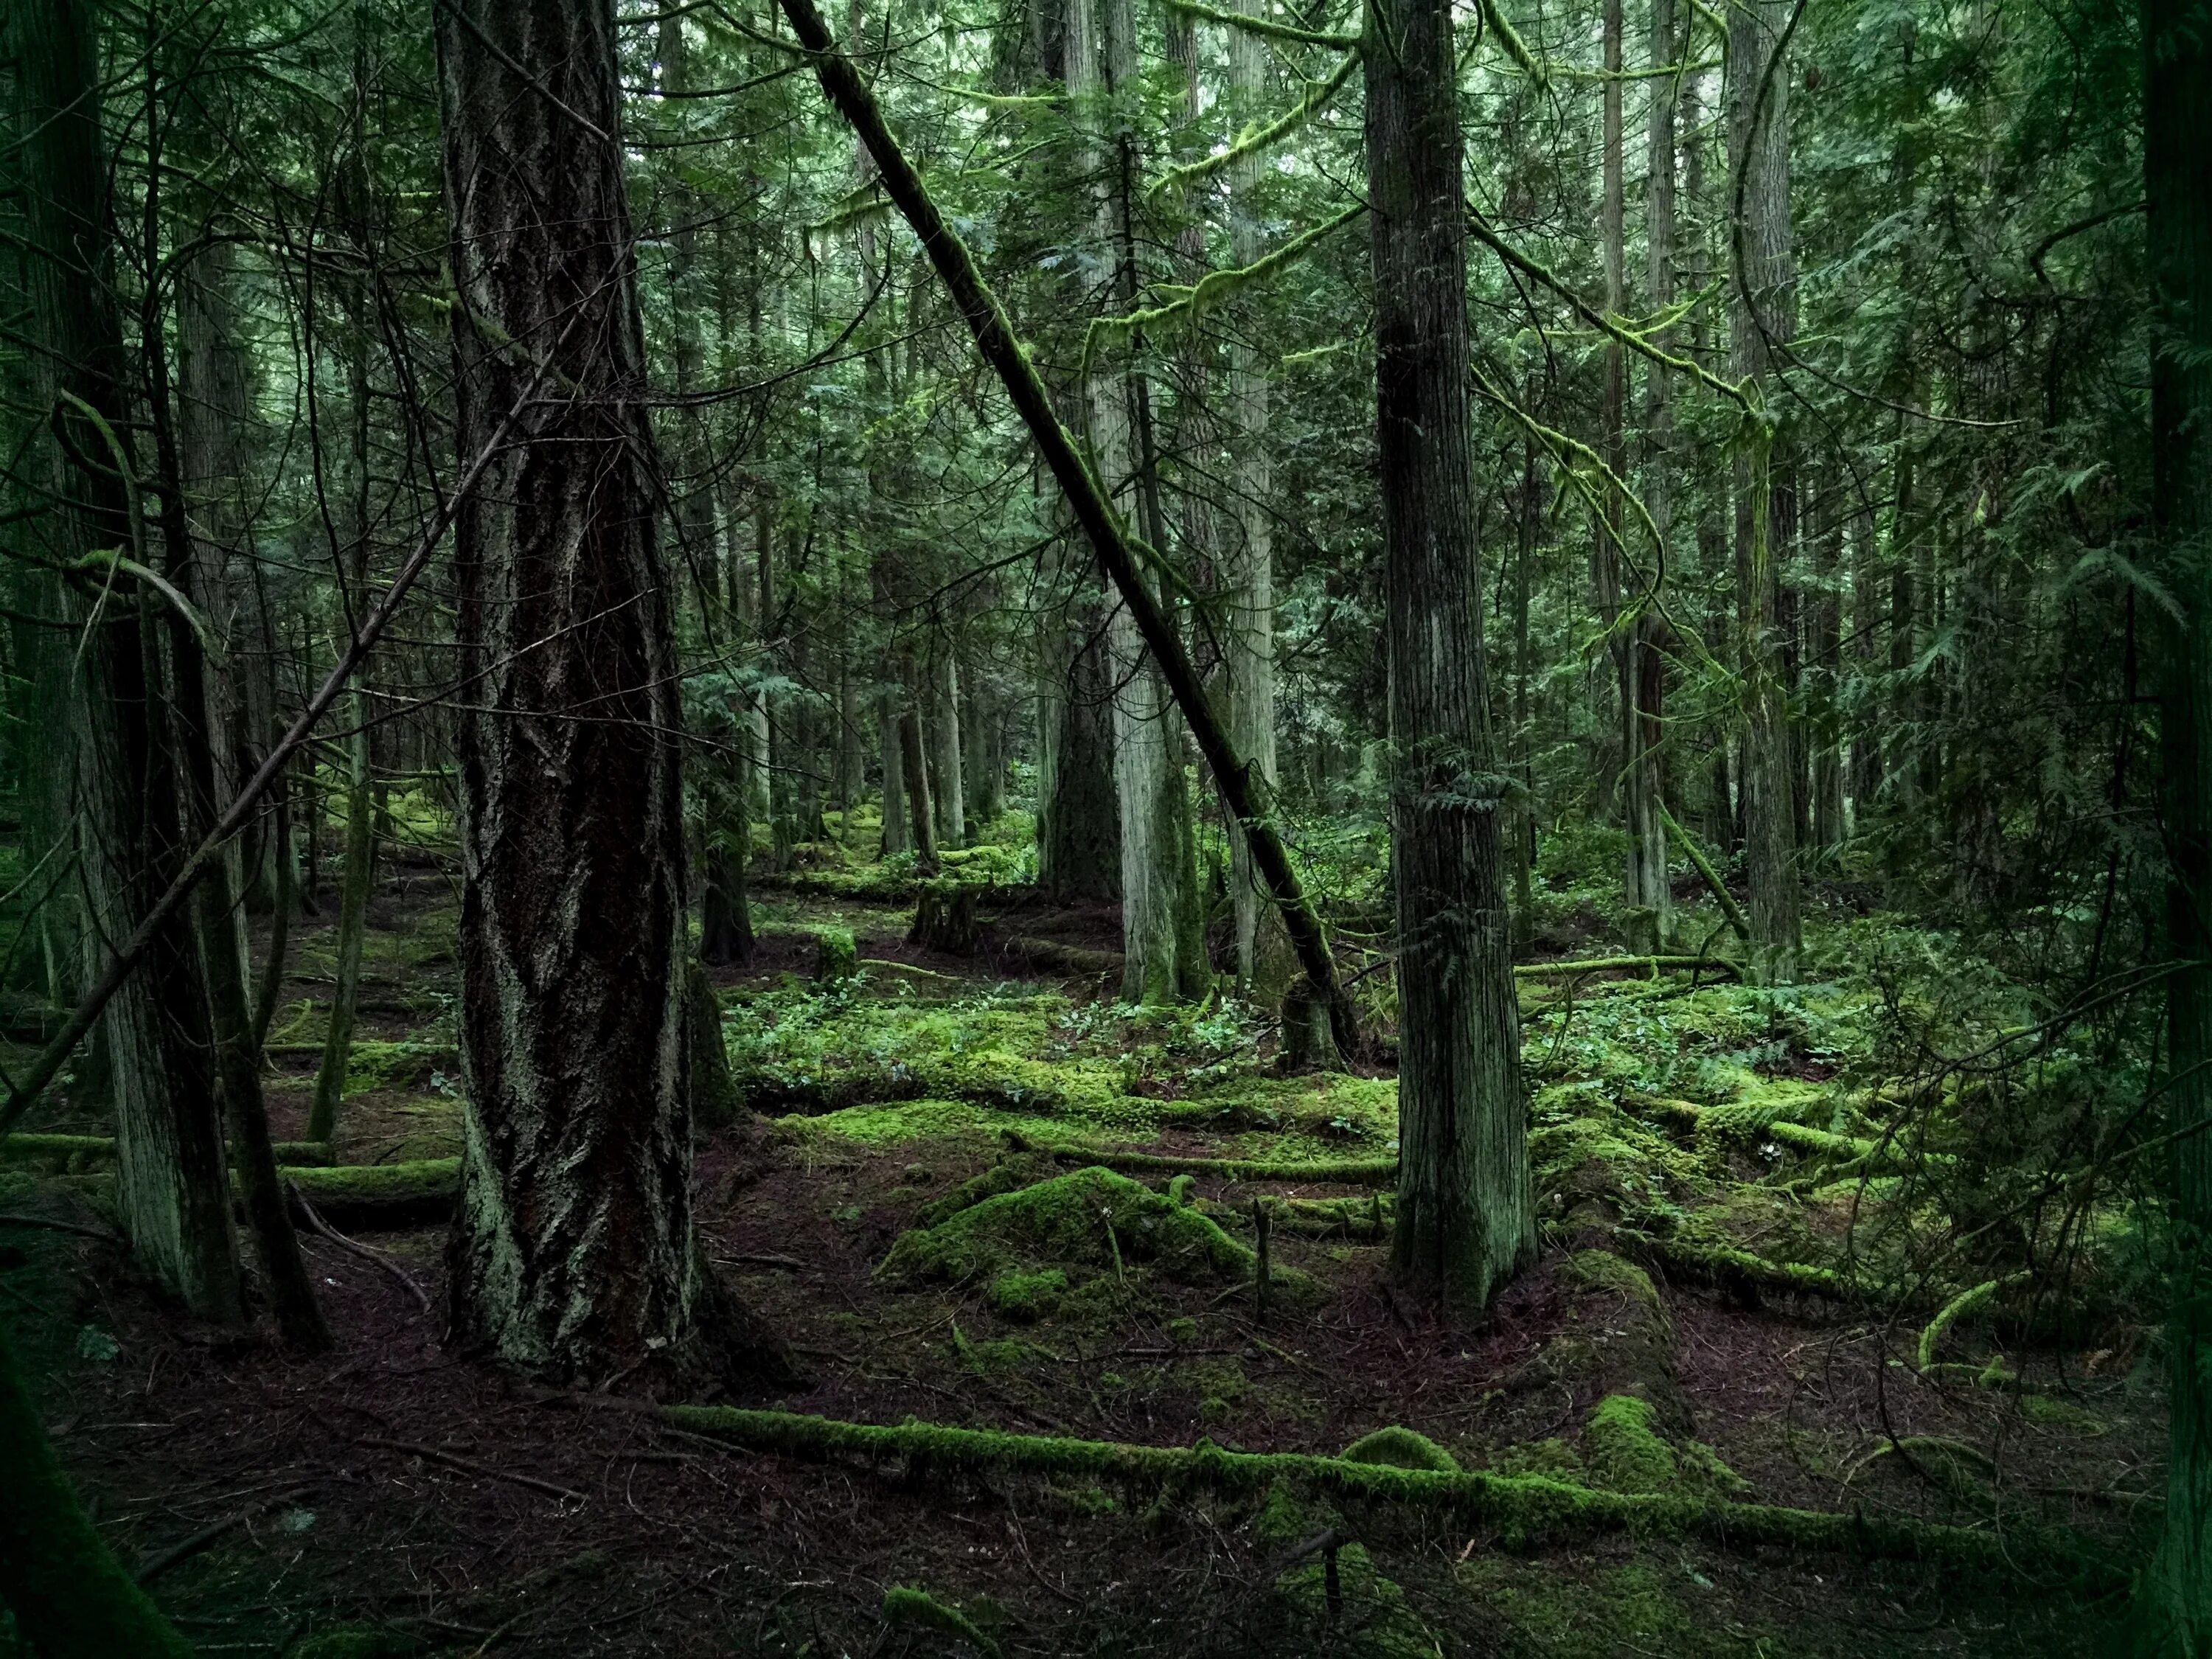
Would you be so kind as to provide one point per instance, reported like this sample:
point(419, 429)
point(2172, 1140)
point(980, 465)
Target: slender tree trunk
point(915, 768)
point(572, 1255)
point(2177, 1591)
point(1465, 1218)
point(1647, 678)
point(171, 1184)
point(951, 792)
point(1528, 521)
point(1249, 642)
point(1764, 308)
point(1827, 666)
point(898, 836)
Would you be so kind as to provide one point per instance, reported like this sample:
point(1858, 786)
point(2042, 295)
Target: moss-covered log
point(1345, 1172)
point(1525, 1511)
point(1650, 967)
point(79, 1154)
point(356, 1196)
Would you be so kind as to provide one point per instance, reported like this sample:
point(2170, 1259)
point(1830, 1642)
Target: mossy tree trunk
point(1466, 1216)
point(1646, 682)
point(572, 1255)
point(1078, 825)
point(914, 768)
point(1763, 309)
point(171, 1181)
point(2178, 179)
point(949, 797)
point(897, 837)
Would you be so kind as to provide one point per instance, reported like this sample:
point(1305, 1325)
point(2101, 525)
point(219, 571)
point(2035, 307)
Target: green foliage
point(908, 1604)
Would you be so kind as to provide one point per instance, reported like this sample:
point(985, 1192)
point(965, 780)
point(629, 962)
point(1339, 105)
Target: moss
point(1019, 1295)
point(905, 1604)
point(1369, 1616)
point(2054, 1412)
point(1626, 1452)
point(1400, 1448)
point(1002, 1177)
point(1092, 1216)
point(1603, 1271)
point(380, 1195)
point(1553, 1460)
point(1284, 1517)
point(1524, 1511)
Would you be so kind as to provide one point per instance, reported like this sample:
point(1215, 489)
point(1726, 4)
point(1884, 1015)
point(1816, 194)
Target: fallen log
point(1525, 1511)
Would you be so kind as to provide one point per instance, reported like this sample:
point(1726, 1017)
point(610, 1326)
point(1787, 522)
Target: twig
point(48, 1224)
point(315, 1221)
point(467, 1467)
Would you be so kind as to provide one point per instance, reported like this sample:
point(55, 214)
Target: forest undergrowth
point(1813, 1363)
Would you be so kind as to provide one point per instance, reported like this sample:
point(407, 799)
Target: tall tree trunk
point(1465, 1218)
point(2178, 185)
point(1827, 650)
point(1646, 686)
point(1528, 521)
point(572, 1255)
point(172, 1184)
point(951, 792)
point(1162, 960)
point(1249, 642)
point(898, 835)
point(913, 768)
point(1078, 823)
point(1763, 310)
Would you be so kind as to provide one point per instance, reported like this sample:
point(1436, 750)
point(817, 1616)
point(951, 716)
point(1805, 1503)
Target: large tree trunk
point(1764, 310)
point(1079, 824)
point(172, 1184)
point(1466, 1215)
point(572, 1255)
point(1163, 953)
point(2178, 180)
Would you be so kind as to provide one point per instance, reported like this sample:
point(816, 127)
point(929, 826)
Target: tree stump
point(945, 918)
point(715, 1101)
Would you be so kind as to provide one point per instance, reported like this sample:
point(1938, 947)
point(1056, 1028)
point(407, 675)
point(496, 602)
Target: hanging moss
point(1400, 1448)
point(1093, 1215)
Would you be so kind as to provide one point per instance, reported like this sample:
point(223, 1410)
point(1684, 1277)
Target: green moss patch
point(1400, 1448)
point(1092, 1217)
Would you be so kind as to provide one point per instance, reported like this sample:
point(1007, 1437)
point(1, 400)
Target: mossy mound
point(1583, 1147)
point(1400, 1448)
point(1625, 1452)
point(1092, 1217)
point(1366, 1616)
point(1019, 1295)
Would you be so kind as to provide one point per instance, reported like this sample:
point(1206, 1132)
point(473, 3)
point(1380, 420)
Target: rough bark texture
point(1162, 952)
point(1466, 1219)
point(2178, 178)
point(914, 769)
point(171, 1184)
point(1763, 309)
point(950, 795)
point(899, 837)
point(1078, 826)
point(571, 1254)
point(1248, 640)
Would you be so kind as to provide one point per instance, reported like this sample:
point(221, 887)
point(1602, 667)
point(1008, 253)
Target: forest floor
point(394, 1498)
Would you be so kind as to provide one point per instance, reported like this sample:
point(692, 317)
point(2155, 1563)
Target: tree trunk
point(1163, 959)
point(1465, 1218)
point(914, 767)
point(1646, 689)
point(950, 795)
point(1763, 309)
point(898, 836)
point(1078, 823)
point(172, 1184)
point(1248, 641)
point(572, 1255)
point(2177, 1591)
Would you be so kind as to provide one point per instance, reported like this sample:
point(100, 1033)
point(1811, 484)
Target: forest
point(1106, 827)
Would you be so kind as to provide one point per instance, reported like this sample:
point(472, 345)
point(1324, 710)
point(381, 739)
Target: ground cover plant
point(1057, 827)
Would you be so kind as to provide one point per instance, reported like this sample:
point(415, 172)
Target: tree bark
point(914, 767)
point(898, 836)
point(572, 1255)
point(171, 1184)
point(1465, 1218)
point(2177, 1591)
point(1763, 310)
point(950, 795)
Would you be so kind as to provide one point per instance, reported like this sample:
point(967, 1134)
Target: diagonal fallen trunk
point(1243, 791)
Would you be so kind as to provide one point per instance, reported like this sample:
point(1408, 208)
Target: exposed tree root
point(1524, 1511)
